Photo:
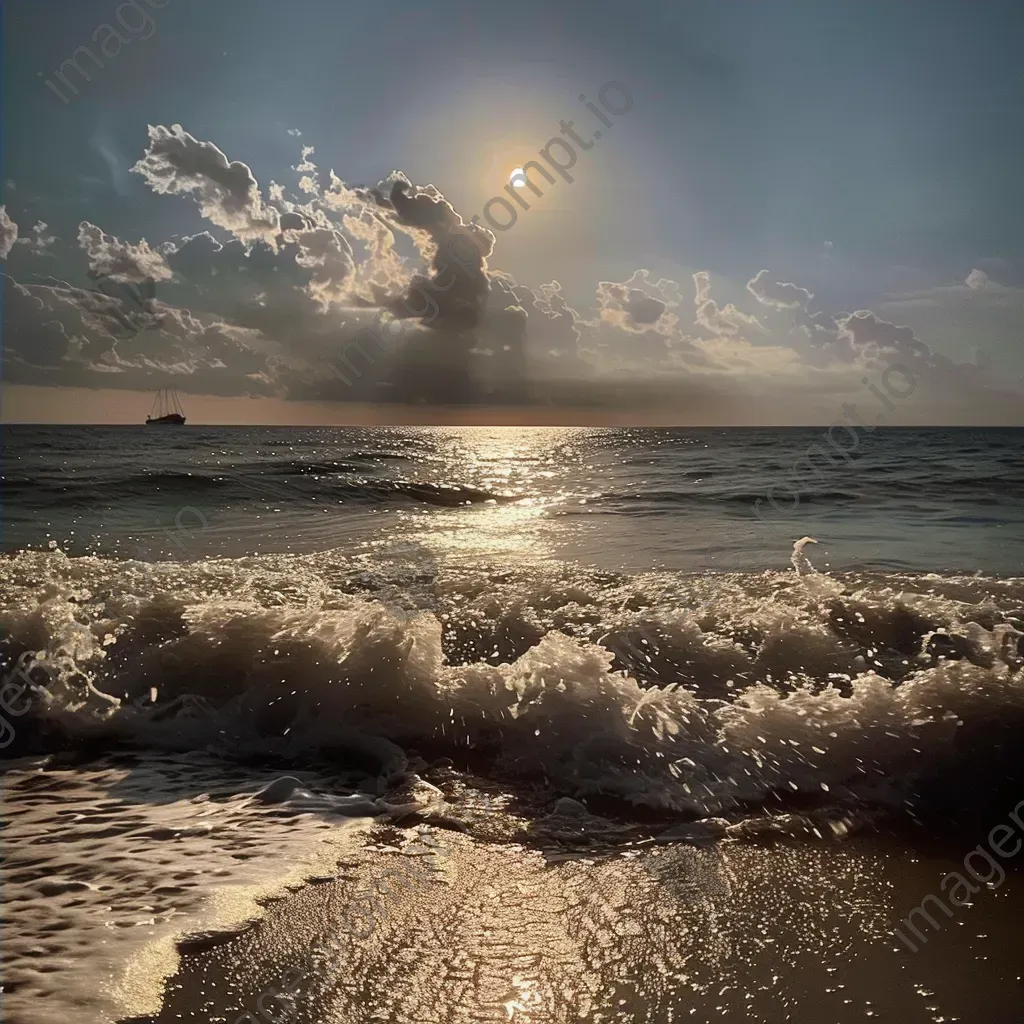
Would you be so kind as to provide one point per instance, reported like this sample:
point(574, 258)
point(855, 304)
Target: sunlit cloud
point(387, 293)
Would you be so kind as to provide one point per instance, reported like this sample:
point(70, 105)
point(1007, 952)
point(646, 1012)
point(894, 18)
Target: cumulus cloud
point(632, 330)
point(120, 261)
point(294, 220)
point(728, 320)
point(226, 191)
point(979, 281)
point(878, 339)
point(627, 307)
point(556, 333)
point(978, 312)
point(33, 334)
point(38, 242)
point(453, 298)
point(8, 233)
point(643, 309)
point(62, 334)
point(260, 289)
point(290, 316)
point(638, 303)
point(325, 251)
point(778, 294)
point(380, 273)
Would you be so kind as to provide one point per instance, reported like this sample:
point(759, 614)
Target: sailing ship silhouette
point(166, 410)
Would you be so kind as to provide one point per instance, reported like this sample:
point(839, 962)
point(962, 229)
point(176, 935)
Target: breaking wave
point(689, 695)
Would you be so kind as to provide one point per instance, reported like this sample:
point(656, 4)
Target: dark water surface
point(924, 500)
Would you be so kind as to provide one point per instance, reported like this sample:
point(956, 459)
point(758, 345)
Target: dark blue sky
point(865, 150)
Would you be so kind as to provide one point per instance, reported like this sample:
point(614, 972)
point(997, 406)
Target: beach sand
point(783, 932)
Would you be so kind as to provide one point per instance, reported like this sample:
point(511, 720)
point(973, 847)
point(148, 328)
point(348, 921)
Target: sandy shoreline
point(787, 932)
point(302, 908)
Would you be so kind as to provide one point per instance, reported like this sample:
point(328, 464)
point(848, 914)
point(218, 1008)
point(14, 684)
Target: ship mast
point(166, 405)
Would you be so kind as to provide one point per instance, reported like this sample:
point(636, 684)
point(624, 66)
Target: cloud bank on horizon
point(277, 295)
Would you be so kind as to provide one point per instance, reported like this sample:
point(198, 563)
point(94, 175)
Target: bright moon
point(517, 178)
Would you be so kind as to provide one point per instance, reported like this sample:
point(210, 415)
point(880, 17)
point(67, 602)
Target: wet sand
point(467, 931)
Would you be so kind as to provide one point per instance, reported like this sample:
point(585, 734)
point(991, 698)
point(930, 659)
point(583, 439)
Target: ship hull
point(173, 420)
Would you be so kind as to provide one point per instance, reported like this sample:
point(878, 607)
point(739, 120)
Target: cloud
point(879, 339)
point(325, 251)
point(728, 320)
point(120, 261)
point(556, 333)
point(290, 317)
point(260, 289)
point(959, 318)
point(639, 302)
point(979, 281)
point(627, 307)
point(778, 294)
point(635, 330)
point(33, 334)
point(38, 242)
point(61, 334)
point(643, 309)
point(226, 191)
point(8, 233)
point(380, 273)
point(453, 298)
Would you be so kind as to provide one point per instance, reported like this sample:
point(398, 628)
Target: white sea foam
point(690, 693)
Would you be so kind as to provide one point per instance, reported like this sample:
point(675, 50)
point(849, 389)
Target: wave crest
point(696, 695)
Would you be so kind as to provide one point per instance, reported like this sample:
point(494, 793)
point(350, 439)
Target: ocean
point(531, 724)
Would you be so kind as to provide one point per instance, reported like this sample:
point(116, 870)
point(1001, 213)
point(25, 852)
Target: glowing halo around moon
point(517, 178)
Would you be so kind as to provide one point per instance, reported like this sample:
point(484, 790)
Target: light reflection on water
point(618, 499)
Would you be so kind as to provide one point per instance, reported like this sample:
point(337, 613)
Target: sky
point(736, 212)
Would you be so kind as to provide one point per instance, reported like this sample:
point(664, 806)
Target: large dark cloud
point(454, 296)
